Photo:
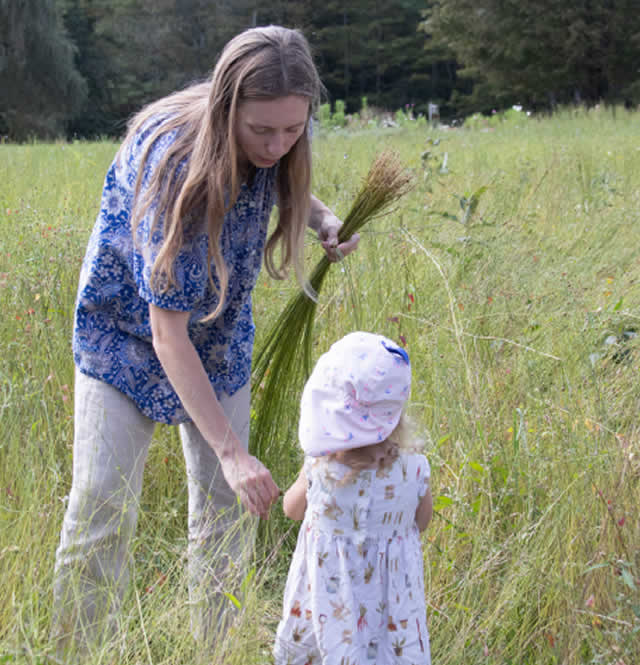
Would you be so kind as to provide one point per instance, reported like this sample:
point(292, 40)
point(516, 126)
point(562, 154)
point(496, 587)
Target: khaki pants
point(111, 442)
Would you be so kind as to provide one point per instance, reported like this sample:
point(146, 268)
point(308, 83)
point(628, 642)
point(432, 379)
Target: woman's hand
point(251, 481)
point(329, 239)
point(327, 225)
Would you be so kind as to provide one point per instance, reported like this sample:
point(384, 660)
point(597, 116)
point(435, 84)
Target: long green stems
point(284, 361)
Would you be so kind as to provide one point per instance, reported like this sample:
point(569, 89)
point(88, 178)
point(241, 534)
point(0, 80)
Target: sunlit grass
point(521, 326)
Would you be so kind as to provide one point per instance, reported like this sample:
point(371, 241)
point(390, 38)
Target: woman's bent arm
point(246, 475)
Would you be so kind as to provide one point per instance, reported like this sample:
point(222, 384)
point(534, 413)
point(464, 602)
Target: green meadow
point(511, 273)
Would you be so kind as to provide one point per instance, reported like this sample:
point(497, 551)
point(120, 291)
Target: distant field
point(511, 273)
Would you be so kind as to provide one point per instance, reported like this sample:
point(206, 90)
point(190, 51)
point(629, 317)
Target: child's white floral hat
point(355, 394)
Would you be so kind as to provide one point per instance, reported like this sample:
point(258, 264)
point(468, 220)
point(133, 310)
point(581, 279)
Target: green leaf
point(442, 501)
point(627, 578)
point(477, 467)
point(444, 439)
point(618, 305)
point(233, 599)
point(247, 580)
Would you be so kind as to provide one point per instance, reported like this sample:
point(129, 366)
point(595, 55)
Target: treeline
point(82, 67)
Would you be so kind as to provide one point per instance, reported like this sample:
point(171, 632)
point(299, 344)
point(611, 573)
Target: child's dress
point(355, 590)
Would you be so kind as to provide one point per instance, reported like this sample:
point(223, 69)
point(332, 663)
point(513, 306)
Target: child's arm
point(424, 513)
point(295, 498)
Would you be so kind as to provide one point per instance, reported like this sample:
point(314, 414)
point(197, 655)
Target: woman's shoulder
point(151, 136)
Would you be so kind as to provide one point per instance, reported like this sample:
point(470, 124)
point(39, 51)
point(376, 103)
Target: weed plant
point(511, 273)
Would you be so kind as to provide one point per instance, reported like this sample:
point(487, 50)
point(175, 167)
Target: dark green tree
point(41, 86)
point(81, 18)
point(373, 49)
point(133, 51)
point(541, 52)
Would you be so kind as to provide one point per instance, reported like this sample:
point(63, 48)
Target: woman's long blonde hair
point(200, 167)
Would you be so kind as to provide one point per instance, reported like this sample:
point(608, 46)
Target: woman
point(163, 325)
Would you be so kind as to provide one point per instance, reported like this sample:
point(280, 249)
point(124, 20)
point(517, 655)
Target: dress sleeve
point(191, 262)
point(423, 475)
point(308, 470)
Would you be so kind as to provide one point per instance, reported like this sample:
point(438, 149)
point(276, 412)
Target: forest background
point(511, 272)
point(80, 68)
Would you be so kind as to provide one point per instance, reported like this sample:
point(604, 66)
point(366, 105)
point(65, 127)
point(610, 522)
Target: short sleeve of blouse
point(191, 262)
point(423, 475)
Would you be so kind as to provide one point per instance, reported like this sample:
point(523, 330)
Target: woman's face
point(267, 129)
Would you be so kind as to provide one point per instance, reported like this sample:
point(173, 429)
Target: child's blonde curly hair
point(380, 455)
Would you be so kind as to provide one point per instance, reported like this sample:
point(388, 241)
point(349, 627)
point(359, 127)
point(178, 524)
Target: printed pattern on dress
point(355, 590)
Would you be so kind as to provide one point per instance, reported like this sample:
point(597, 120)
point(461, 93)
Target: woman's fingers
point(336, 252)
point(253, 483)
point(350, 245)
point(262, 492)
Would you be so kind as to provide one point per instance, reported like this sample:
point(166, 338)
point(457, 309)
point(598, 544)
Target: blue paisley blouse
point(112, 332)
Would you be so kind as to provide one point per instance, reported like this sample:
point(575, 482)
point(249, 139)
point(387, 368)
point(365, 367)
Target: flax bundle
point(284, 362)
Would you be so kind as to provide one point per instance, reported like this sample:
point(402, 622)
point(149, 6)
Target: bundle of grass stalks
point(283, 363)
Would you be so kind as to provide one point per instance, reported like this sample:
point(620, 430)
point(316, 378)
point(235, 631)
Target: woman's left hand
point(327, 226)
point(329, 239)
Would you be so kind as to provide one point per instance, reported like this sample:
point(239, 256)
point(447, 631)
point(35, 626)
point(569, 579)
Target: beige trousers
point(111, 442)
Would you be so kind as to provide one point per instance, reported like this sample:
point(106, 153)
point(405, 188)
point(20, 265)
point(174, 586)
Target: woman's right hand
point(251, 481)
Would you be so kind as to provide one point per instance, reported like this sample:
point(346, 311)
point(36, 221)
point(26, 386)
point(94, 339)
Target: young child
point(355, 590)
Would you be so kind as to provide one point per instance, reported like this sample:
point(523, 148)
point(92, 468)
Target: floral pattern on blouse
point(355, 589)
point(112, 332)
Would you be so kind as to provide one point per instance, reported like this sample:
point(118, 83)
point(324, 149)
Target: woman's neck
point(246, 172)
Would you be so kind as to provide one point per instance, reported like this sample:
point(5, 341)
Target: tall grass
point(519, 307)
